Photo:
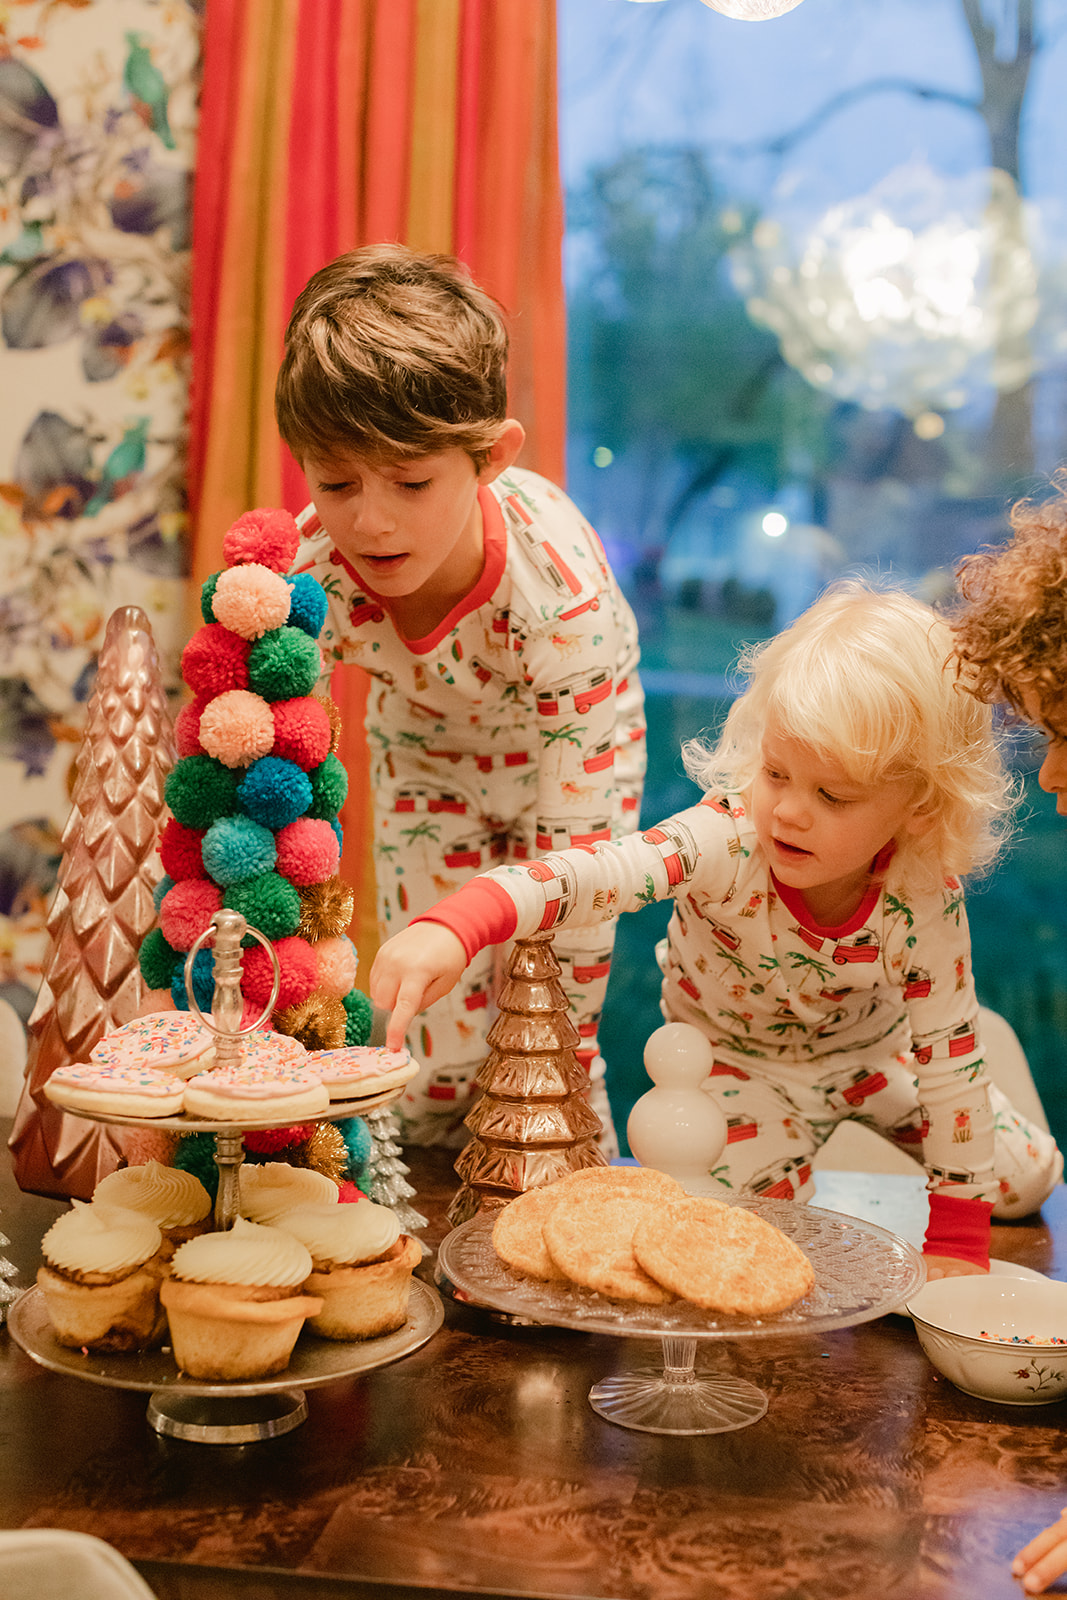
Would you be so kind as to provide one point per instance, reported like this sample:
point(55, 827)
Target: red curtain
point(330, 123)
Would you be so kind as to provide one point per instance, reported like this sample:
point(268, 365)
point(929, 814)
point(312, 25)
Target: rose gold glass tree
point(533, 1122)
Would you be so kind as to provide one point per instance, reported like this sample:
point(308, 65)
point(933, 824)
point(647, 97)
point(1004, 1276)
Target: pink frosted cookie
point(263, 1045)
point(273, 1091)
point(167, 1041)
point(130, 1091)
point(363, 1069)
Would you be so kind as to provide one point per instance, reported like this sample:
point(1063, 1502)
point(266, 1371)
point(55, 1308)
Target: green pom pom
point(195, 1153)
point(157, 960)
point(360, 1014)
point(269, 903)
point(199, 790)
point(284, 664)
point(207, 596)
point(329, 788)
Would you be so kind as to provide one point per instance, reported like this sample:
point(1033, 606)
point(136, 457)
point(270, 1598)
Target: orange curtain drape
point(330, 123)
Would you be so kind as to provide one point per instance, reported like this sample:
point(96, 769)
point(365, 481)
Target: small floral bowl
point(1000, 1338)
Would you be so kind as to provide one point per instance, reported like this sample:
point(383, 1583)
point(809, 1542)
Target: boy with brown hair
point(505, 717)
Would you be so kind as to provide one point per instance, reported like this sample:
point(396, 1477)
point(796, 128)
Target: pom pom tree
point(256, 793)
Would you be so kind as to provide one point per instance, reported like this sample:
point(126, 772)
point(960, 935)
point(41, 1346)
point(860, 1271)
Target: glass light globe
point(751, 10)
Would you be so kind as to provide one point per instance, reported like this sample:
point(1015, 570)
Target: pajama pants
point(438, 822)
point(779, 1114)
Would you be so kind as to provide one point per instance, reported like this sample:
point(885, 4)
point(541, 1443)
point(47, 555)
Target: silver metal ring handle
point(275, 986)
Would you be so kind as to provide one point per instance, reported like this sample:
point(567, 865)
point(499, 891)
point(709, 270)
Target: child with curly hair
point(819, 937)
point(1011, 639)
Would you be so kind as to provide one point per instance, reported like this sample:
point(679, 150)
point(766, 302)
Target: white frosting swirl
point(109, 1240)
point(342, 1236)
point(247, 1253)
point(269, 1190)
point(171, 1197)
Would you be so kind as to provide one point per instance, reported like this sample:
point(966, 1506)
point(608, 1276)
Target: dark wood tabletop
point(477, 1464)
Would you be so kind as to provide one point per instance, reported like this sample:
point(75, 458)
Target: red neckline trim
point(793, 900)
point(495, 542)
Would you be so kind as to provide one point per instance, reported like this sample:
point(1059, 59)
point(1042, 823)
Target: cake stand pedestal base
point(674, 1399)
point(242, 1419)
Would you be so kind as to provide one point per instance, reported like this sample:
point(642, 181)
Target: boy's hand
point(951, 1267)
point(412, 970)
point(1044, 1559)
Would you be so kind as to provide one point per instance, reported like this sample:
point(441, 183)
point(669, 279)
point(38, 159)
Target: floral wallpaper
point(97, 143)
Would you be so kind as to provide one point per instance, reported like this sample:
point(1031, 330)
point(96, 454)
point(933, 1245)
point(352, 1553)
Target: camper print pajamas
point(515, 729)
point(874, 1020)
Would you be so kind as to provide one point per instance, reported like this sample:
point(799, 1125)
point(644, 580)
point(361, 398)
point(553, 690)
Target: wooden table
point(476, 1464)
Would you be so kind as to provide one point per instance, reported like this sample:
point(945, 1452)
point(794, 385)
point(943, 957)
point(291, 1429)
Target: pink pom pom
point(308, 851)
point(301, 731)
point(187, 727)
point(268, 536)
point(348, 1194)
point(186, 911)
point(237, 728)
point(251, 600)
point(156, 1000)
point(337, 966)
point(214, 660)
point(299, 973)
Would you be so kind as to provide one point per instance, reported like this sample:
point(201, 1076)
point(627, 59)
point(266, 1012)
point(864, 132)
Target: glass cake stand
point(861, 1272)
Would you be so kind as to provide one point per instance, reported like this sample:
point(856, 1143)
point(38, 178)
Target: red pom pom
point(302, 731)
point(269, 537)
point(348, 1194)
point(179, 851)
point(308, 851)
point(271, 1140)
point(187, 726)
point(299, 973)
point(215, 660)
point(186, 911)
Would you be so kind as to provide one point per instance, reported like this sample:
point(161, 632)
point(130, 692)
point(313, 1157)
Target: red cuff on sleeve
point(479, 914)
point(958, 1228)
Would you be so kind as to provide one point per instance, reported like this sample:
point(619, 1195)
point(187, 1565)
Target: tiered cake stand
point(861, 1272)
point(239, 1412)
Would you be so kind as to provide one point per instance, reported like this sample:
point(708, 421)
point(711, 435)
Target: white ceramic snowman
point(675, 1127)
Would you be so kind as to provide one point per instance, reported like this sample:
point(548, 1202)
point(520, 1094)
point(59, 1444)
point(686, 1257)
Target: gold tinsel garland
point(332, 712)
point(325, 1151)
point(318, 1022)
point(326, 909)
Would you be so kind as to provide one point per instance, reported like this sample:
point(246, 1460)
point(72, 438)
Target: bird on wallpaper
point(125, 460)
point(148, 87)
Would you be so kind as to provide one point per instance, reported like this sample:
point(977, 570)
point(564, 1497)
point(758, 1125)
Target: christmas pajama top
point(747, 965)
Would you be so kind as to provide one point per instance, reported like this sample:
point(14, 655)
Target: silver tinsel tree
point(385, 1174)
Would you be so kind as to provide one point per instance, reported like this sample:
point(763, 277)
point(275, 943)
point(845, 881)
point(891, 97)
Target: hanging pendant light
point(751, 10)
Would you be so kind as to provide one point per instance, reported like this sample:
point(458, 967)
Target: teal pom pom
point(284, 664)
point(199, 790)
point(235, 849)
point(165, 883)
point(329, 788)
point(203, 982)
point(269, 903)
point(358, 1143)
point(275, 792)
point(195, 1153)
point(308, 607)
point(359, 1014)
point(207, 595)
point(157, 960)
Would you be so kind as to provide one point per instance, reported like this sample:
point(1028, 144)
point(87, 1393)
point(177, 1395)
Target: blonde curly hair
point(1012, 637)
point(866, 677)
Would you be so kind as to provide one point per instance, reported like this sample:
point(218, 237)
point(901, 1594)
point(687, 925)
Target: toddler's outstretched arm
point(1044, 1559)
point(412, 970)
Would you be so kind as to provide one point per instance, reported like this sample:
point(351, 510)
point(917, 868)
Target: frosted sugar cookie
point(264, 1044)
point(133, 1091)
point(276, 1091)
point(592, 1244)
point(166, 1041)
point(363, 1069)
point(723, 1258)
